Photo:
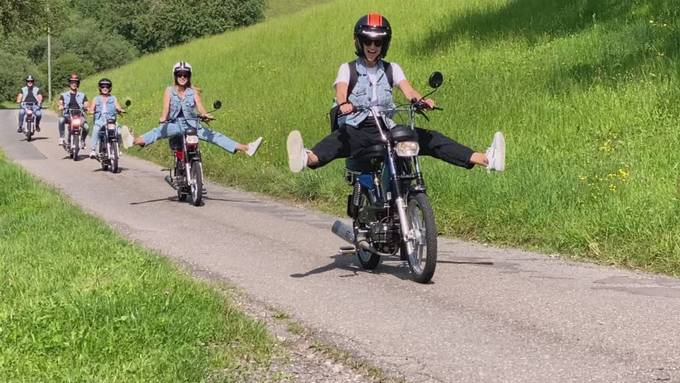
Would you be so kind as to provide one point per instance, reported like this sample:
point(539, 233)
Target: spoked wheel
point(113, 157)
point(367, 260)
point(75, 144)
point(181, 196)
point(29, 131)
point(197, 183)
point(422, 259)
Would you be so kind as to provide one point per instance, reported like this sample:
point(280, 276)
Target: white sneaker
point(93, 154)
point(297, 155)
point(61, 141)
point(496, 153)
point(126, 136)
point(252, 147)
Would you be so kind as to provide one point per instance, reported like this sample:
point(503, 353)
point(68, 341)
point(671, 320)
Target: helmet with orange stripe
point(372, 27)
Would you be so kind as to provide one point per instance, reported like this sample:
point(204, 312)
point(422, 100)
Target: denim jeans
point(177, 127)
point(95, 135)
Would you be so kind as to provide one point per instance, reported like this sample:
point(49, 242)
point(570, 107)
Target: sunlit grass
point(586, 92)
point(78, 303)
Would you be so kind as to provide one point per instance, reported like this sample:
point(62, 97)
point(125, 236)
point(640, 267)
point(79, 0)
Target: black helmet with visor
point(372, 27)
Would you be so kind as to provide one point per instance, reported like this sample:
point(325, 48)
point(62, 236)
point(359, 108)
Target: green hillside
point(586, 91)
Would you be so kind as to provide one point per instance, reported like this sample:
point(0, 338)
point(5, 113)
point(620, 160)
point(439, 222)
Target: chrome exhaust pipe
point(343, 231)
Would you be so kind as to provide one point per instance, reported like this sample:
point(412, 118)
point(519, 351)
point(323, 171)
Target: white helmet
point(181, 66)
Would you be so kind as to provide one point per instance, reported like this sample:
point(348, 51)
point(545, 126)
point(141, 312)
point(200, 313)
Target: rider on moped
point(72, 100)
point(180, 104)
point(103, 107)
point(375, 81)
point(30, 95)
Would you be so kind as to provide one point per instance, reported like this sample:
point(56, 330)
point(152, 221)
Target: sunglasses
point(29, 81)
point(368, 42)
point(183, 74)
point(104, 87)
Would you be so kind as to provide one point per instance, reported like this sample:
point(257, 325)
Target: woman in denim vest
point(180, 104)
point(103, 107)
point(372, 36)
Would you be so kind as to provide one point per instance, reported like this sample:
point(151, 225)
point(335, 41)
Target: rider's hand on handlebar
point(206, 117)
point(346, 108)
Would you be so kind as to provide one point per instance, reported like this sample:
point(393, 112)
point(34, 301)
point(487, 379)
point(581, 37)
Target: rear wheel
point(197, 183)
point(422, 260)
point(367, 260)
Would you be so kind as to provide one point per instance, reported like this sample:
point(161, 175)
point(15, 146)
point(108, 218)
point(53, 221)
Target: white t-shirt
point(397, 76)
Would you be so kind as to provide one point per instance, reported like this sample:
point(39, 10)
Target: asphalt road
point(491, 315)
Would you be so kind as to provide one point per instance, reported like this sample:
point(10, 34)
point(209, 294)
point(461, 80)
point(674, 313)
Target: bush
point(152, 25)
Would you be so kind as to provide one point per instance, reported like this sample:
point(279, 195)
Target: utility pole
point(49, 55)
point(49, 65)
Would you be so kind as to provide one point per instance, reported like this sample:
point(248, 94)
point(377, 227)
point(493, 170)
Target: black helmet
point(372, 27)
point(104, 82)
point(74, 78)
point(29, 78)
point(181, 66)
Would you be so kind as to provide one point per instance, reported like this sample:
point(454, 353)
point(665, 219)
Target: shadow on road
point(166, 199)
point(346, 262)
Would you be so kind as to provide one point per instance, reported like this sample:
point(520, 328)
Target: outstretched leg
point(227, 143)
point(439, 146)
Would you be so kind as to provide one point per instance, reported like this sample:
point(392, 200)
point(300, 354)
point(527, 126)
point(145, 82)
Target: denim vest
point(187, 105)
point(80, 99)
point(362, 93)
point(24, 92)
point(99, 116)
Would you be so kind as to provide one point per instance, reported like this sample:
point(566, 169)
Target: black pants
point(348, 141)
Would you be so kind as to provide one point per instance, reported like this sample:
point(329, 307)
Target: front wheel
point(113, 157)
point(422, 260)
point(29, 130)
point(75, 146)
point(197, 183)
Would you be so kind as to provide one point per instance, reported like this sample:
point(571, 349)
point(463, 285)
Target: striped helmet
point(181, 66)
point(372, 27)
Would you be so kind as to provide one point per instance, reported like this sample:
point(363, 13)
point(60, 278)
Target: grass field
point(79, 304)
point(587, 93)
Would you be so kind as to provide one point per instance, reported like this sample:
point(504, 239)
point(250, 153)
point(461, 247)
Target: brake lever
point(420, 112)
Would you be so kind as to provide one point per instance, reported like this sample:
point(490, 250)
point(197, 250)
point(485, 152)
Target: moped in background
point(108, 152)
point(186, 176)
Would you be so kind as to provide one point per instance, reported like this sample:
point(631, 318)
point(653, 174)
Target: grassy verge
point(587, 93)
point(8, 105)
point(80, 304)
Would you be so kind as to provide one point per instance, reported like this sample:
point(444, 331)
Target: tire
point(29, 130)
point(367, 260)
point(423, 260)
point(113, 157)
point(76, 148)
point(197, 184)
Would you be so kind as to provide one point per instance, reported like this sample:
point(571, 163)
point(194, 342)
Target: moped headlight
point(192, 140)
point(407, 148)
point(76, 122)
